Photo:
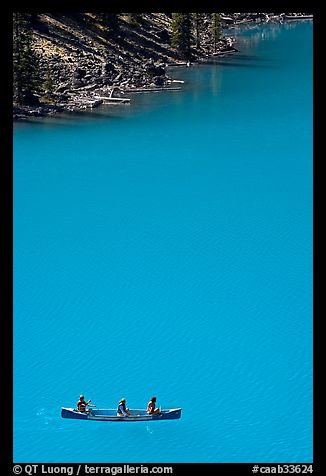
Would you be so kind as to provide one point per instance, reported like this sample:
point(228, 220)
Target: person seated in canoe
point(122, 410)
point(82, 404)
point(151, 406)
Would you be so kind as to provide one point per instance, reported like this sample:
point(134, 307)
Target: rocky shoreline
point(88, 73)
point(92, 95)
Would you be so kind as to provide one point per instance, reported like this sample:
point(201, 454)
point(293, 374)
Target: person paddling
point(151, 406)
point(122, 410)
point(81, 404)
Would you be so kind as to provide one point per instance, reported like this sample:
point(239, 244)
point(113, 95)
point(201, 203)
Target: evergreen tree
point(48, 87)
point(198, 26)
point(26, 81)
point(216, 29)
point(135, 19)
point(181, 33)
point(111, 21)
point(34, 18)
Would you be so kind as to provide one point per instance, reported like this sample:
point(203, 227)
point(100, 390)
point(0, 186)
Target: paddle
point(90, 404)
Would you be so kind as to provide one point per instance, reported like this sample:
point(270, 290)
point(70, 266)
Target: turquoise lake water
point(165, 249)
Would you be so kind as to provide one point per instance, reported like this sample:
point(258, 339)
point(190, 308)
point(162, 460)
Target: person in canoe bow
point(81, 405)
point(151, 406)
point(122, 410)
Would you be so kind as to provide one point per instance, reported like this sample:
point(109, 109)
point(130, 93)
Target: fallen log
point(111, 99)
point(148, 90)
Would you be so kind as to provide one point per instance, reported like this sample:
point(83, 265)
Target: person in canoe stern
point(151, 406)
point(122, 410)
point(81, 404)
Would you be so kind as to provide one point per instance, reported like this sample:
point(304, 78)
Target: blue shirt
point(121, 408)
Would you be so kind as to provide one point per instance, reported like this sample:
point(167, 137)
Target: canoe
point(111, 414)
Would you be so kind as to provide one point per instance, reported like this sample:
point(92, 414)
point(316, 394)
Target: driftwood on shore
point(298, 17)
point(152, 89)
point(110, 99)
point(177, 63)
